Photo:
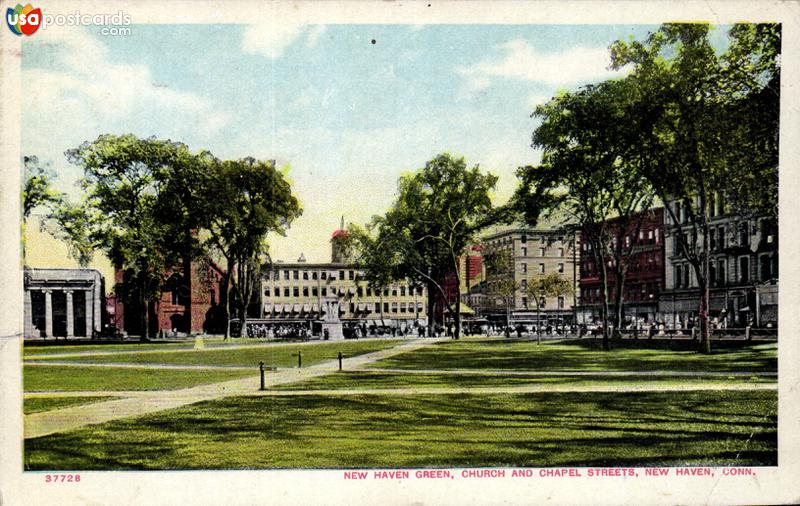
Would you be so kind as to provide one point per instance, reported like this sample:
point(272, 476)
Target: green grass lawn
point(578, 355)
point(43, 378)
point(38, 404)
point(547, 429)
point(35, 351)
point(378, 379)
point(282, 355)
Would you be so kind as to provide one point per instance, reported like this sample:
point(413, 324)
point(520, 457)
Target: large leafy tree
point(707, 123)
point(589, 175)
point(248, 200)
point(124, 182)
point(438, 212)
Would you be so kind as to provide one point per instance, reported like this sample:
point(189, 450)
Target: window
point(385, 307)
point(305, 274)
point(351, 275)
point(525, 302)
point(542, 302)
point(561, 302)
point(324, 291)
point(686, 276)
point(541, 268)
point(394, 292)
point(359, 291)
point(561, 252)
point(341, 274)
point(402, 307)
point(296, 274)
point(766, 263)
point(314, 275)
point(402, 291)
point(525, 268)
point(524, 252)
point(560, 267)
point(286, 291)
point(721, 272)
point(323, 275)
point(377, 307)
point(296, 291)
point(369, 292)
point(314, 291)
point(712, 274)
point(305, 291)
point(524, 239)
point(744, 269)
point(656, 233)
point(524, 284)
point(541, 252)
point(266, 292)
point(352, 308)
point(744, 234)
point(286, 274)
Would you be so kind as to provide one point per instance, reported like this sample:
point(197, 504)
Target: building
point(63, 302)
point(169, 314)
point(644, 279)
point(743, 269)
point(526, 254)
point(306, 293)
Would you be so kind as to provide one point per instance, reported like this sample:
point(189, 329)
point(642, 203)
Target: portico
point(62, 302)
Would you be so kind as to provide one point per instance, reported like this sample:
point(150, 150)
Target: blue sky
point(347, 115)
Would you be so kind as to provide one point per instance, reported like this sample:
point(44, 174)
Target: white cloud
point(82, 93)
point(522, 61)
point(272, 40)
point(538, 99)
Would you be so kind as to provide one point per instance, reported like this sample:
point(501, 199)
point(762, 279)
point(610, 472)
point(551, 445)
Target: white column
point(88, 316)
point(48, 313)
point(70, 314)
point(28, 313)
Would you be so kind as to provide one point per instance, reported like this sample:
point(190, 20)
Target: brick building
point(644, 280)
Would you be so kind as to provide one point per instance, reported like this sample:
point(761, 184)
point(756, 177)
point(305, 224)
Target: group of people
point(278, 330)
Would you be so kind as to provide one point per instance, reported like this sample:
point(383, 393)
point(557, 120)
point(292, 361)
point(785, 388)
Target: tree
point(124, 181)
point(539, 288)
point(249, 199)
point(707, 125)
point(503, 286)
point(590, 173)
point(63, 220)
point(438, 212)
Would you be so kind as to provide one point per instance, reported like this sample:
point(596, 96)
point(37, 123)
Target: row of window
point(314, 291)
point(543, 302)
point(652, 236)
point(297, 274)
point(543, 252)
point(640, 292)
point(718, 273)
point(541, 270)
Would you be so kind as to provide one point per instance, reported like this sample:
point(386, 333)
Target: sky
point(349, 108)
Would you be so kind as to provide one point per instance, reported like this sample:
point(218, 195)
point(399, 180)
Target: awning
point(297, 308)
point(465, 309)
point(315, 307)
point(278, 308)
point(362, 306)
point(306, 308)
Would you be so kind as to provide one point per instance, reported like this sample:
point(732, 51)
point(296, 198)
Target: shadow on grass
point(541, 430)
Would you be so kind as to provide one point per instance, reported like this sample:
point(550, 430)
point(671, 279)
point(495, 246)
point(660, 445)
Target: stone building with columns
point(63, 302)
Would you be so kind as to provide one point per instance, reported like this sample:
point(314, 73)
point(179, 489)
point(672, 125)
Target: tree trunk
point(538, 322)
point(187, 281)
point(619, 310)
point(703, 281)
point(224, 298)
point(431, 303)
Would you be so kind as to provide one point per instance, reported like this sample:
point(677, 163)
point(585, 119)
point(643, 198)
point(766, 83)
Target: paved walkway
point(511, 372)
point(69, 418)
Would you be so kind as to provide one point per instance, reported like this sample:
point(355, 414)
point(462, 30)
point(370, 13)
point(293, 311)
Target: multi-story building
point(526, 254)
point(644, 279)
point(302, 292)
point(743, 269)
